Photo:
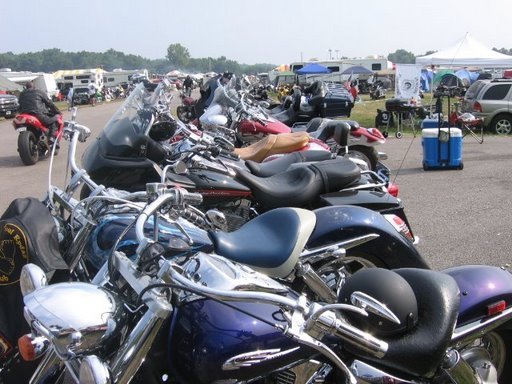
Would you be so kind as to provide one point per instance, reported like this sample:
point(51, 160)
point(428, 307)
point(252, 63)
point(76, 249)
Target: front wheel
point(28, 148)
point(367, 154)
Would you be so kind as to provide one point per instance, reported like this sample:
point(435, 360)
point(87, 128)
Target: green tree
point(503, 50)
point(178, 55)
point(401, 56)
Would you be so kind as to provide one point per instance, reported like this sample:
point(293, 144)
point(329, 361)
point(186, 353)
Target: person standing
point(69, 97)
point(37, 103)
point(187, 85)
point(92, 94)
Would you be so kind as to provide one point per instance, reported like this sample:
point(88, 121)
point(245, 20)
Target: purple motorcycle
point(163, 317)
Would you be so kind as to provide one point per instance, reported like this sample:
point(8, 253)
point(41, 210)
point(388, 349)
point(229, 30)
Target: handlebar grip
point(192, 198)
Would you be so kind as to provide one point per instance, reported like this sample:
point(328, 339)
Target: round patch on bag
point(13, 253)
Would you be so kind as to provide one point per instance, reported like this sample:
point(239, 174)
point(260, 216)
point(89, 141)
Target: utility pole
point(330, 54)
point(337, 54)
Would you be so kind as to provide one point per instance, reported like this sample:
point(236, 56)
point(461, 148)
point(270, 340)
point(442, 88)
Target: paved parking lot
point(461, 216)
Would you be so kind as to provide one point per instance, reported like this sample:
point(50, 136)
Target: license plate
point(21, 129)
point(7, 113)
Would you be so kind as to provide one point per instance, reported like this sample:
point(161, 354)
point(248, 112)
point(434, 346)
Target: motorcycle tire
point(367, 154)
point(28, 148)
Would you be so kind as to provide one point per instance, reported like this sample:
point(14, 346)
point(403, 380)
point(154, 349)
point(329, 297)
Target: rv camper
point(78, 78)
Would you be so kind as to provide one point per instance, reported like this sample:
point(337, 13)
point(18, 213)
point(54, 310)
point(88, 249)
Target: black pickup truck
point(8, 105)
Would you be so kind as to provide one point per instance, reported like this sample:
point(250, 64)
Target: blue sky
point(258, 31)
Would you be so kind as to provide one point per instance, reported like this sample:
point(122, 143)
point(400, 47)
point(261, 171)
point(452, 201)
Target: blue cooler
point(429, 123)
point(442, 150)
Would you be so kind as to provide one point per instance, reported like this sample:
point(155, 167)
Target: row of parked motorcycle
point(234, 250)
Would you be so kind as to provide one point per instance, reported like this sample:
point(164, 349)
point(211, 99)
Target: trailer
point(122, 76)
point(78, 78)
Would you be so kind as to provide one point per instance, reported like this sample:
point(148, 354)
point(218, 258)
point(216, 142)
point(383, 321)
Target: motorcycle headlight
point(32, 277)
point(77, 318)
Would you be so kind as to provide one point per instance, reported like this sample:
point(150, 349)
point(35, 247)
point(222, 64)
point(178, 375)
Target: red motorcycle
point(33, 137)
point(187, 110)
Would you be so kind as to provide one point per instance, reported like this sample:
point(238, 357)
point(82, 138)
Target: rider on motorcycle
point(35, 102)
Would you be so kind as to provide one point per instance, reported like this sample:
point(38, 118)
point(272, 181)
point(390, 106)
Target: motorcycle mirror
point(370, 304)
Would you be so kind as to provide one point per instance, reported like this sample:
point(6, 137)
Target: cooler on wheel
point(442, 148)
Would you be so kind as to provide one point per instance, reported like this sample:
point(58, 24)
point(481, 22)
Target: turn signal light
point(32, 348)
point(497, 307)
point(393, 189)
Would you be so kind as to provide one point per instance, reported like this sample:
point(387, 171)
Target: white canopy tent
point(467, 52)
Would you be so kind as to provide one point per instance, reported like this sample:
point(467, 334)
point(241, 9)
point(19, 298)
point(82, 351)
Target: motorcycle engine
point(237, 213)
point(311, 371)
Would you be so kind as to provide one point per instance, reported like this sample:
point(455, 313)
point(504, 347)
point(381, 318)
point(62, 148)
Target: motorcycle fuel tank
point(217, 185)
point(212, 340)
point(106, 234)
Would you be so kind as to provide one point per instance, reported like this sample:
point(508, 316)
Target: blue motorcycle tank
point(206, 335)
point(110, 227)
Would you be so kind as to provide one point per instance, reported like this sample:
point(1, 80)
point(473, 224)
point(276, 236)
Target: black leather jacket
point(35, 101)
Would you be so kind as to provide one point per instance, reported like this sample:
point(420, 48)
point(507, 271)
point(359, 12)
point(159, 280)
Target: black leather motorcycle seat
point(352, 124)
point(337, 130)
point(421, 351)
point(270, 243)
point(283, 163)
point(298, 187)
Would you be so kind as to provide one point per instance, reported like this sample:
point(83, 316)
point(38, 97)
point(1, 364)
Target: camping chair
point(469, 124)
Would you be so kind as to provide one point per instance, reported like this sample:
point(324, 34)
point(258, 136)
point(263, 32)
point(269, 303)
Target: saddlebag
point(28, 234)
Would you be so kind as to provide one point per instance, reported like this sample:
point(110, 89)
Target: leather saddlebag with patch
point(28, 234)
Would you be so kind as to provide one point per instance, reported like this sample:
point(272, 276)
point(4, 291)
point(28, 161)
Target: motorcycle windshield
point(126, 132)
point(225, 94)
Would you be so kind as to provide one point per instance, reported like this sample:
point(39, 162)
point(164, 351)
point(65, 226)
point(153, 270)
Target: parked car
point(81, 96)
point(492, 101)
point(8, 105)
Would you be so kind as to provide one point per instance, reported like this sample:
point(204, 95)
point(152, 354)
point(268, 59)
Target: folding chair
point(472, 126)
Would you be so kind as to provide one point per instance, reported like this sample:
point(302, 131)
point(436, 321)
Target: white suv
point(491, 100)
